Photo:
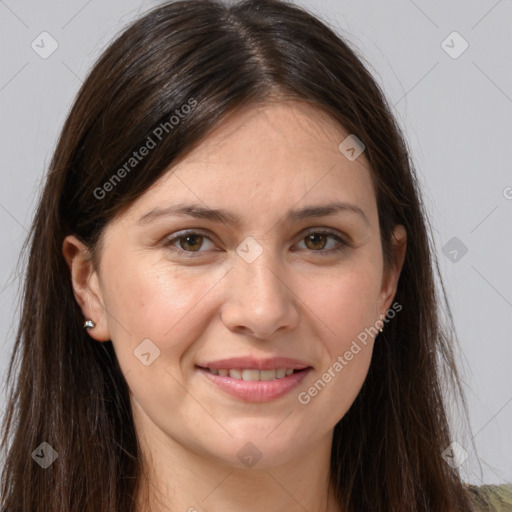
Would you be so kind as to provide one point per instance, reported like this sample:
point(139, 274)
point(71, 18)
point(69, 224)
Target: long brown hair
point(69, 392)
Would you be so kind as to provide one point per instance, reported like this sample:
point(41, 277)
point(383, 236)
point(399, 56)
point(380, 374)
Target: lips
point(255, 380)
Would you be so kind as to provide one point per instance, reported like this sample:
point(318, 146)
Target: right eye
point(188, 241)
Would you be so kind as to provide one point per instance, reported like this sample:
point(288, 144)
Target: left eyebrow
point(226, 217)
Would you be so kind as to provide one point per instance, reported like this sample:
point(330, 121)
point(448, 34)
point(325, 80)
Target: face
point(193, 302)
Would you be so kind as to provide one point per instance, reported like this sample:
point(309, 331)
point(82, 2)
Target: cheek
point(345, 307)
point(346, 301)
point(170, 308)
point(348, 308)
point(157, 301)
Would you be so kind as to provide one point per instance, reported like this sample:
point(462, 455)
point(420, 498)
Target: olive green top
point(492, 498)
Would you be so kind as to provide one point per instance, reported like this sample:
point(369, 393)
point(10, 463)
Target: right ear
point(86, 286)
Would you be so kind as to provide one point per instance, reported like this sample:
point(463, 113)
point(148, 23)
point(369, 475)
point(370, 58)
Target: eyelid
point(326, 231)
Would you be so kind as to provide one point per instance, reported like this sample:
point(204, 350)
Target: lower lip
point(257, 391)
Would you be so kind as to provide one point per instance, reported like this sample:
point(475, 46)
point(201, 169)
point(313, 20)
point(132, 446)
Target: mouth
point(253, 374)
point(253, 384)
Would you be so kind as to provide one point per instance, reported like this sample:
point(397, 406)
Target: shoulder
point(492, 498)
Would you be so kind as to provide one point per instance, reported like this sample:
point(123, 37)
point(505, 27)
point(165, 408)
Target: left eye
point(320, 238)
point(192, 242)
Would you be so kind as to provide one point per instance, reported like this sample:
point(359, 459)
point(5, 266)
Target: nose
point(259, 300)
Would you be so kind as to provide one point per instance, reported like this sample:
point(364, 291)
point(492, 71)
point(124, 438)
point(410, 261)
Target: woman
point(230, 298)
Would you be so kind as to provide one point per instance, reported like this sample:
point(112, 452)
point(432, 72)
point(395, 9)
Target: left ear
point(390, 278)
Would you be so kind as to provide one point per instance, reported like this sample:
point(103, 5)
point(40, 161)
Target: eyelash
point(192, 254)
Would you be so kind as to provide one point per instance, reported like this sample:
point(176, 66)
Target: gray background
point(456, 113)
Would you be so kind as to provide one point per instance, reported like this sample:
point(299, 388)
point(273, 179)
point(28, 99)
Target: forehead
point(291, 130)
point(267, 158)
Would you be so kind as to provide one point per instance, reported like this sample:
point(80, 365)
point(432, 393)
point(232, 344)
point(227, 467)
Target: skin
point(291, 301)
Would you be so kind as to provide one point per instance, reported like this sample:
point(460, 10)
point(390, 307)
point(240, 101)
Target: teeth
point(235, 374)
point(267, 374)
point(253, 374)
point(250, 374)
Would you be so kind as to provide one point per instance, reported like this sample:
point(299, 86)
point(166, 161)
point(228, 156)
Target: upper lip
point(244, 363)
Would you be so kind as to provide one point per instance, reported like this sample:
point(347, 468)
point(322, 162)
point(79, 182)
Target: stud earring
point(89, 324)
point(380, 329)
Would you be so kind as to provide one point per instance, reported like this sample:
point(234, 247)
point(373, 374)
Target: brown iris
point(191, 246)
point(316, 238)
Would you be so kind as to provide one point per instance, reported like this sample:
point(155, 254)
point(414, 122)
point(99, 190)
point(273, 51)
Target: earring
point(380, 329)
point(89, 324)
